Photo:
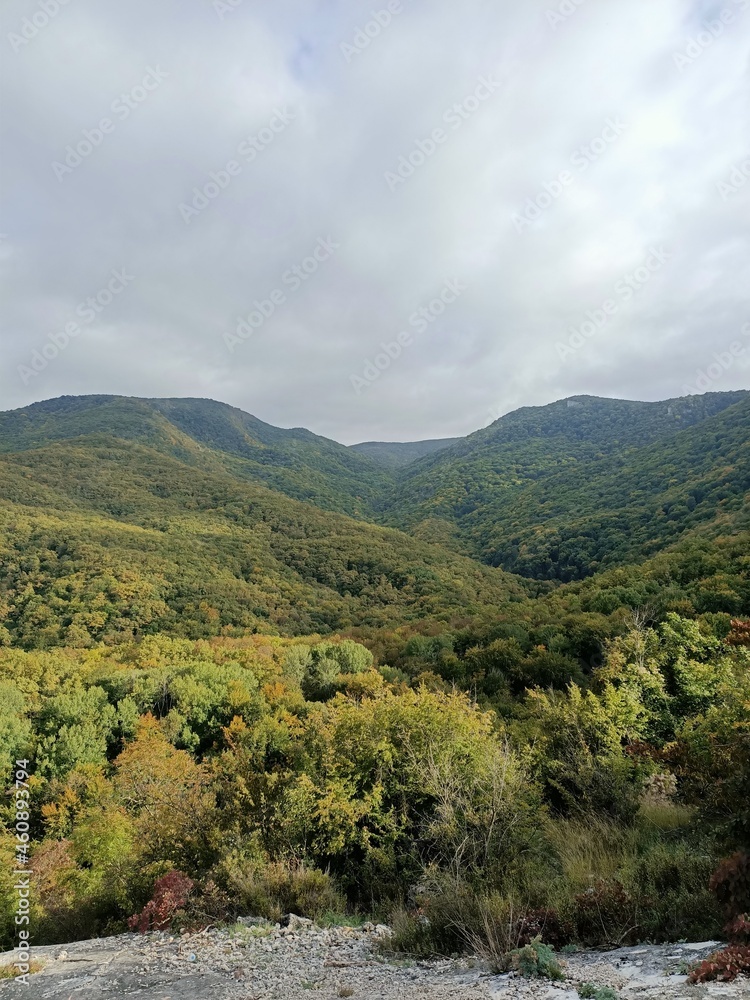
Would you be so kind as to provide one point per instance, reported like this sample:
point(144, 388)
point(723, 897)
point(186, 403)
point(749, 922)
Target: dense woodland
point(526, 712)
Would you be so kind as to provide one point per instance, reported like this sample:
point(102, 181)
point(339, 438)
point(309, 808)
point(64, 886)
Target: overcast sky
point(552, 165)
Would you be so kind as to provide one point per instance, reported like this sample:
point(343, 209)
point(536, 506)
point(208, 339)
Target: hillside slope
point(211, 436)
point(101, 537)
point(557, 492)
point(396, 454)
point(190, 497)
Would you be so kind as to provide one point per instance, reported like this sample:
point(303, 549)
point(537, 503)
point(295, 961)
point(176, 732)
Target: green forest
point(496, 692)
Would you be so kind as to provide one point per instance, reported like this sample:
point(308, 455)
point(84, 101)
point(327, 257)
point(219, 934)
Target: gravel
point(256, 960)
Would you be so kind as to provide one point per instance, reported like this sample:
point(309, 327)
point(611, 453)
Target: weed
point(586, 991)
point(11, 971)
point(536, 961)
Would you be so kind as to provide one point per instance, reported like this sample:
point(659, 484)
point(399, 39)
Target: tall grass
point(594, 881)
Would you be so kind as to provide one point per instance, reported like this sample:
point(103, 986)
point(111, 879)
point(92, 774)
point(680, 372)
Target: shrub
point(669, 881)
point(451, 916)
point(730, 883)
point(393, 785)
point(262, 889)
point(738, 930)
point(171, 893)
point(544, 925)
point(724, 965)
point(579, 757)
point(536, 961)
point(588, 992)
point(411, 933)
point(605, 914)
point(209, 904)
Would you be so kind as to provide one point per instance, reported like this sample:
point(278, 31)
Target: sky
point(378, 220)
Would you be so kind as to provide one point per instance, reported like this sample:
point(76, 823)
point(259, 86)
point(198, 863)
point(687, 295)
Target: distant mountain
point(123, 516)
point(395, 455)
point(560, 491)
point(628, 506)
point(211, 436)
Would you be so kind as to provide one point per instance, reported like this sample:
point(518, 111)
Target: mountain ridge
point(547, 493)
point(397, 454)
point(172, 405)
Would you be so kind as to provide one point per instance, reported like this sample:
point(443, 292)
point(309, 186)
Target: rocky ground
point(254, 961)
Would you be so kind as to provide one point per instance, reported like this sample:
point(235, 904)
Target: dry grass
point(11, 972)
point(590, 850)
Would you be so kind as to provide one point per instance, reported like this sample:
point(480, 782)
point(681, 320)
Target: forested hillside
point(259, 704)
point(554, 492)
point(210, 436)
point(625, 506)
point(127, 517)
point(395, 455)
point(542, 491)
point(104, 538)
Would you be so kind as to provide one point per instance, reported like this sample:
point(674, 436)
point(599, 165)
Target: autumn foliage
point(171, 893)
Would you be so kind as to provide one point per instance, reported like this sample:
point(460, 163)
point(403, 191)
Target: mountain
point(164, 676)
point(124, 516)
point(562, 490)
point(395, 455)
point(211, 436)
point(103, 538)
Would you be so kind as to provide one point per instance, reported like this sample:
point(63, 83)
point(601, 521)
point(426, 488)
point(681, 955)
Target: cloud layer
point(580, 171)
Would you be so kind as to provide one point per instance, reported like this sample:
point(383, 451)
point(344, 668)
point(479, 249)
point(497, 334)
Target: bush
point(730, 883)
point(536, 961)
point(411, 933)
point(738, 930)
point(452, 917)
point(724, 965)
point(579, 757)
point(262, 889)
point(171, 893)
point(588, 992)
point(669, 881)
point(605, 914)
point(546, 926)
point(663, 880)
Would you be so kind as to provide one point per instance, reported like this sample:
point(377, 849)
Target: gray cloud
point(674, 73)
